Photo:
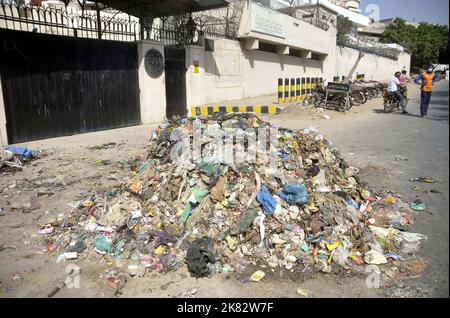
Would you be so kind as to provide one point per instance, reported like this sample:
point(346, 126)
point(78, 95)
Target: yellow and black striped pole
point(303, 88)
point(308, 85)
point(280, 91)
point(286, 90)
point(313, 84)
point(321, 81)
point(297, 89)
point(292, 89)
point(317, 82)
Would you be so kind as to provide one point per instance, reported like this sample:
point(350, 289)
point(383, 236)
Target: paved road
point(372, 140)
point(367, 137)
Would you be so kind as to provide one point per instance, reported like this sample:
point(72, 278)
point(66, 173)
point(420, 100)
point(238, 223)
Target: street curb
point(211, 110)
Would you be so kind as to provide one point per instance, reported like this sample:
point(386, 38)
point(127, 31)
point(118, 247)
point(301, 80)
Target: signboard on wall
point(338, 87)
point(266, 21)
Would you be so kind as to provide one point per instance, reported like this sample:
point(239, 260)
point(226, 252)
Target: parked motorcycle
point(391, 103)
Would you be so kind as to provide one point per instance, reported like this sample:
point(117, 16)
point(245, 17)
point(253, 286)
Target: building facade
point(214, 69)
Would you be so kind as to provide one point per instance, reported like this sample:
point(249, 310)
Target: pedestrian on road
point(404, 80)
point(394, 89)
point(426, 80)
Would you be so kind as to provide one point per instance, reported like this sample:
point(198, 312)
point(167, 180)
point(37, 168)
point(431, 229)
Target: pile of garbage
point(13, 158)
point(299, 208)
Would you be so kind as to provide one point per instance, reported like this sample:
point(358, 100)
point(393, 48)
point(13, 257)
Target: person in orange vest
point(426, 80)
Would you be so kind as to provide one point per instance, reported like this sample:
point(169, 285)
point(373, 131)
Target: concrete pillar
point(152, 90)
point(195, 76)
point(3, 132)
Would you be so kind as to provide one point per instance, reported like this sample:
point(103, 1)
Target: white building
point(347, 8)
point(352, 5)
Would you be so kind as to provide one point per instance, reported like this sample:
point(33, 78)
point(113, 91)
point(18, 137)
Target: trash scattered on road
point(17, 276)
point(422, 179)
point(13, 159)
point(116, 279)
point(21, 152)
point(46, 230)
point(67, 256)
point(304, 293)
point(303, 209)
point(374, 257)
point(9, 160)
point(418, 205)
point(108, 145)
point(28, 205)
point(393, 256)
point(257, 276)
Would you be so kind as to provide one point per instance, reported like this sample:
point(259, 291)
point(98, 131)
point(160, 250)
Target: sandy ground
point(71, 169)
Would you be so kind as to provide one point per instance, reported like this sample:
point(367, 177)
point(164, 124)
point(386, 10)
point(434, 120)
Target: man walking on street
point(394, 88)
point(426, 81)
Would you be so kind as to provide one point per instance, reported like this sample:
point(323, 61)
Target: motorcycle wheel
point(388, 107)
point(356, 99)
point(320, 100)
point(343, 103)
point(364, 98)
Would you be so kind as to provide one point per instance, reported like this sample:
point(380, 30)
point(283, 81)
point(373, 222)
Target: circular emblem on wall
point(154, 63)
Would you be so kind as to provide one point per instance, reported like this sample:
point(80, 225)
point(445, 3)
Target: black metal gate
point(175, 71)
point(55, 86)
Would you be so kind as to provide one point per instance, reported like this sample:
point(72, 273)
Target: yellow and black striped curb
point(211, 110)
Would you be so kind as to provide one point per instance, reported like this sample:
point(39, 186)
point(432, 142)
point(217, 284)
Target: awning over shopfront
point(161, 8)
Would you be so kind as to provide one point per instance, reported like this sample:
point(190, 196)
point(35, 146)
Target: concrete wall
point(231, 72)
point(152, 90)
point(373, 66)
point(3, 133)
point(262, 70)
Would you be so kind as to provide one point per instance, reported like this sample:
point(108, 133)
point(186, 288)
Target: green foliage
point(428, 43)
point(344, 27)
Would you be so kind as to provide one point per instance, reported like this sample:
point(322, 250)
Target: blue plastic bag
point(294, 194)
point(267, 201)
point(20, 151)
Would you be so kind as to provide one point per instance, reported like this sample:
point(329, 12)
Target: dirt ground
point(71, 169)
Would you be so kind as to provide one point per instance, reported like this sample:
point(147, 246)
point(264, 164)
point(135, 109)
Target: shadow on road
point(380, 111)
point(430, 117)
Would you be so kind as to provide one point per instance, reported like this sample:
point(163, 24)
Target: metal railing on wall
point(372, 48)
point(178, 36)
point(55, 21)
point(49, 20)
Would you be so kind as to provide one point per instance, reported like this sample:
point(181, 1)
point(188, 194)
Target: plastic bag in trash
point(267, 201)
point(294, 194)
